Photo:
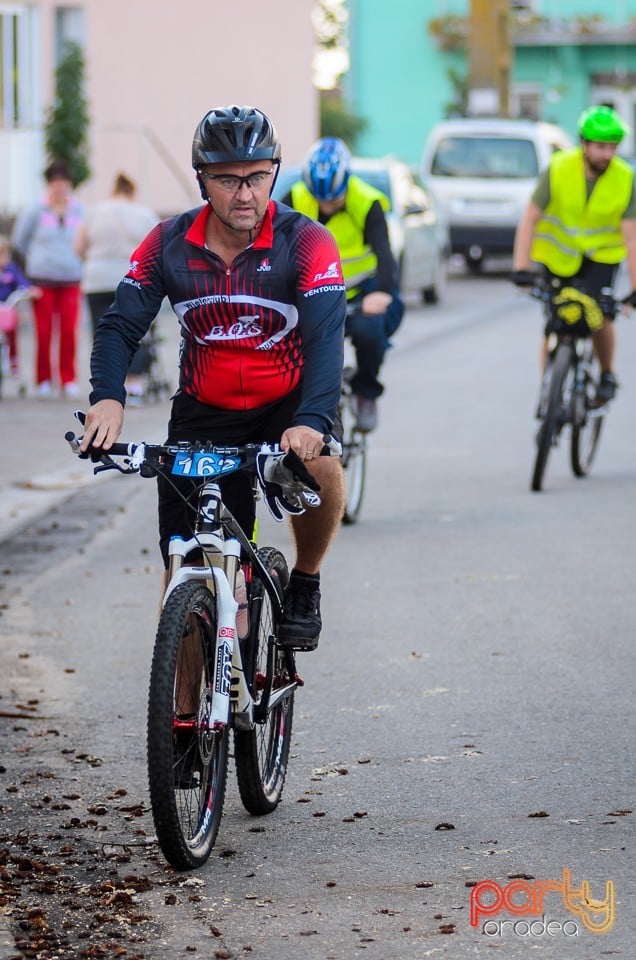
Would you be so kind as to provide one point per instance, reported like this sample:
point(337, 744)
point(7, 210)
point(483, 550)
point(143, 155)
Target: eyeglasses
point(232, 184)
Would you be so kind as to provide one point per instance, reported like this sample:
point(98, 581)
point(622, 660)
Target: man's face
point(239, 205)
point(329, 207)
point(598, 155)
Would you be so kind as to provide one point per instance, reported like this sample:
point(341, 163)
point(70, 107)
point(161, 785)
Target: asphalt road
point(468, 716)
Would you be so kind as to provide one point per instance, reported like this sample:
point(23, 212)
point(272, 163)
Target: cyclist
point(581, 223)
point(259, 293)
point(354, 212)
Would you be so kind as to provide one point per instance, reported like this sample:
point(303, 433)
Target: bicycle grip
point(95, 453)
point(332, 447)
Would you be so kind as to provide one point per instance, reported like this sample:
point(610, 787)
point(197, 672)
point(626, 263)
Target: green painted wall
point(399, 78)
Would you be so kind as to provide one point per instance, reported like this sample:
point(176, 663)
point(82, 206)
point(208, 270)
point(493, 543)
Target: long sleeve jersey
point(252, 331)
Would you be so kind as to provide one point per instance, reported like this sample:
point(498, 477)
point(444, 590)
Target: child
point(12, 279)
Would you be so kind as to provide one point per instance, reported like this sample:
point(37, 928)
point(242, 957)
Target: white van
point(482, 172)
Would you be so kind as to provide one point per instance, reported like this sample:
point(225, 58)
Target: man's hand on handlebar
point(306, 442)
point(524, 278)
point(103, 424)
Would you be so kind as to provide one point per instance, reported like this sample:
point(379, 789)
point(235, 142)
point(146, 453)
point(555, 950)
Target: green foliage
point(329, 19)
point(66, 128)
point(337, 121)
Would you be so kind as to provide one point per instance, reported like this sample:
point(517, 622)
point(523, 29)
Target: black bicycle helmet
point(228, 134)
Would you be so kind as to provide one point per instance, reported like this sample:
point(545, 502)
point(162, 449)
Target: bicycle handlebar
point(610, 306)
point(136, 455)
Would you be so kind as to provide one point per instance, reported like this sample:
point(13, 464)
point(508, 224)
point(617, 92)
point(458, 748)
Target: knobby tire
point(261, 754)
point(187, 762)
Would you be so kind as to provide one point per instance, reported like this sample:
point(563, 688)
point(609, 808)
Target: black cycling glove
point(287, 484)
point(630, 299)
point(523, 278)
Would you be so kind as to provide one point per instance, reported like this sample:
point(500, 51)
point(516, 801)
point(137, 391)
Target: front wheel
point(187, 753)
point(586, 429)
point(555, 413)
point(261, 754)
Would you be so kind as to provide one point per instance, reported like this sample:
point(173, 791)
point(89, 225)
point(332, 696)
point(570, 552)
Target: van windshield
point(485, 157)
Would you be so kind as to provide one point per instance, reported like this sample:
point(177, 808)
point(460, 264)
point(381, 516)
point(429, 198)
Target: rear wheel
point(354, 458)
point(586, 429)
point(560, 373)
point(261, 754)
point(187, 755)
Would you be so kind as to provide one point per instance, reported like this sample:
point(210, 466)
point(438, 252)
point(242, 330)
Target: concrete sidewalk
point(37, 468)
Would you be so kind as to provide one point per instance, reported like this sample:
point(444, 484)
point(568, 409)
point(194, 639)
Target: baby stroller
point(146, 381)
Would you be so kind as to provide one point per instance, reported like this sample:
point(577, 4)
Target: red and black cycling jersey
point(251, 332)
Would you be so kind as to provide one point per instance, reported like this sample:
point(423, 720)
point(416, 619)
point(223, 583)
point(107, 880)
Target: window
point(69, 25)
point(18, 86)
point(485, 157)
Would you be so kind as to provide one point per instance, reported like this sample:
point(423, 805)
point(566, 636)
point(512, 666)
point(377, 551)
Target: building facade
point(152, 71)
point(409, 65)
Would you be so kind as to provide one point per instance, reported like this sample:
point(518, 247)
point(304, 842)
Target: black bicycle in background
point(567, 396)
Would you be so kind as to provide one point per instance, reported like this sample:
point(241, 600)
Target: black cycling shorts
point(192, 420)
point(591, 277)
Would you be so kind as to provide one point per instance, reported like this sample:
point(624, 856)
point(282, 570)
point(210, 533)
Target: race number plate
point(203, 464)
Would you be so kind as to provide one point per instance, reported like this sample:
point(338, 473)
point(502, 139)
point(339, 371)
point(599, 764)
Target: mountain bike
point(567, 396)
point(354, 450)
point(216, 664)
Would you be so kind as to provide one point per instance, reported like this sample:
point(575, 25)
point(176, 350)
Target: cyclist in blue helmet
point(580, 224)
point(355, 213)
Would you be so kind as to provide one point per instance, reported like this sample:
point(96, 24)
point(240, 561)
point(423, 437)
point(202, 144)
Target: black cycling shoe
point(187, 760)
point(607, 387)
point(300, 625)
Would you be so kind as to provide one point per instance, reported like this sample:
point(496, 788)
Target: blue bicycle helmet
point(326, 169)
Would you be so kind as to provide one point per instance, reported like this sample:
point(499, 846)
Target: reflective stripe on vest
point(573, 226)
point(347, 226)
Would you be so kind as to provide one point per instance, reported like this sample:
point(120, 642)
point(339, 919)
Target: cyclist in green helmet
point(580, 224)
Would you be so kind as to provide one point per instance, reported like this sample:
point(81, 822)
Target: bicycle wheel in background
point(586, 429)
point(354, 458)
point(261, 754)
point(187, 760)
point(560, 372)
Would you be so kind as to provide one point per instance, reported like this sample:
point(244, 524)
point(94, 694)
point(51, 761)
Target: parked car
point(483, 172)
point(418, 230)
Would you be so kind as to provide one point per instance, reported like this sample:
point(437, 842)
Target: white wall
point(154, 69)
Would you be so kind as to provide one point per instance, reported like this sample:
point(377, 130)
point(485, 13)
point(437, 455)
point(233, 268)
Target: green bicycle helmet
point(602, 125)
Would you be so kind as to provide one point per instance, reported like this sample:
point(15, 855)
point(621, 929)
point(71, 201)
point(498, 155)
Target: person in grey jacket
point(44, 236)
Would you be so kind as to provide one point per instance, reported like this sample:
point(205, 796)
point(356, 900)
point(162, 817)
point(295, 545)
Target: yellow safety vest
point(574, 226)
point(359, 262)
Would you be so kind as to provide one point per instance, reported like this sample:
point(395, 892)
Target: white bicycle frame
point(219, 575)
